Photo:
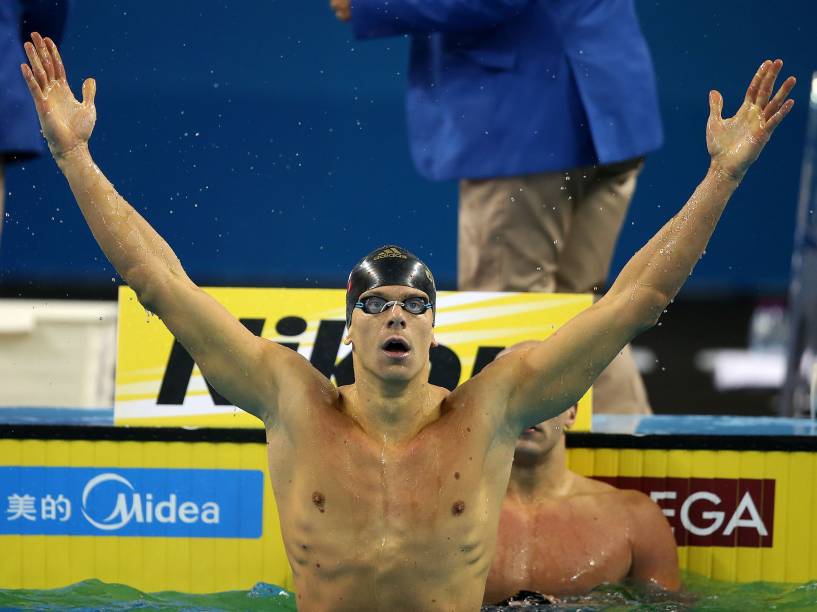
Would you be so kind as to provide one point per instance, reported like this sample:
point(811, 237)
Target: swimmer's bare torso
point(374, 524)
point(591, 535)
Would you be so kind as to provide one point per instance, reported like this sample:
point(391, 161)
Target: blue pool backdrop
point(269, 147)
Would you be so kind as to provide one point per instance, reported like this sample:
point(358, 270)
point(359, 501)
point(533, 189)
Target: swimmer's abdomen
point(367, 519)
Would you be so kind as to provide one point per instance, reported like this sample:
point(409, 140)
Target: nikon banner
point(157, 382)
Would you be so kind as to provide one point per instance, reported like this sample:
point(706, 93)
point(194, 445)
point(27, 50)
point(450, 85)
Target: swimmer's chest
point(435, 481)
point(562, 548)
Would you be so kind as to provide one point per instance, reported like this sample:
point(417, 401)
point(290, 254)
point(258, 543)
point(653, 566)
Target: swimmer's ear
point(570, 416)
point(347, 340)
point(434, 342)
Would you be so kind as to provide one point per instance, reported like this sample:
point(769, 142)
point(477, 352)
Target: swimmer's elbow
point(152, 289)
point(651, 312)
point(641, 307)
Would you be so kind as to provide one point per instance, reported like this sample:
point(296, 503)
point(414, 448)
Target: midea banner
point(167, 503)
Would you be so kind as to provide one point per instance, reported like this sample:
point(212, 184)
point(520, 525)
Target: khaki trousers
point(552, 232)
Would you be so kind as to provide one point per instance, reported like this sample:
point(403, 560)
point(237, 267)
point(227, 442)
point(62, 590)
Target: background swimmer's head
point(389, 265)
point(538, 440)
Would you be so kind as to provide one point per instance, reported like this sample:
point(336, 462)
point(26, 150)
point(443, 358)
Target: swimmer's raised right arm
point(545, 380)
point(242, 367)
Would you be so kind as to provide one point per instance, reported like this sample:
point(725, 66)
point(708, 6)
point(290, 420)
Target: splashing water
point(699, 594)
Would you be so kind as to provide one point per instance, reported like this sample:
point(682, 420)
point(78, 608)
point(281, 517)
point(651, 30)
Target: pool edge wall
point(742, 507)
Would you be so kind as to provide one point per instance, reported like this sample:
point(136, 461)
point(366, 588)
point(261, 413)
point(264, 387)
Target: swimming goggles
point(375, 304)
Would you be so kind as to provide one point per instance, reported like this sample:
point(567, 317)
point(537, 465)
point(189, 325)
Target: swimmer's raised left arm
point(544, 381)
point(249, 371)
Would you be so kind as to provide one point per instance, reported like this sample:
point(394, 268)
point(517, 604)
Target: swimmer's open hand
point(736, 142)
point(66, 124)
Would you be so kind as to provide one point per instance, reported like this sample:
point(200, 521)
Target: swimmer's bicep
point(556, 373)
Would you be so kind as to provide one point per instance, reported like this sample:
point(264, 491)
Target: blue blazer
point(511, 87)
point(20, 136)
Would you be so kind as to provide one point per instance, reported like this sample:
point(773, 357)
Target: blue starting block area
point(637, 425)
point(702, 425)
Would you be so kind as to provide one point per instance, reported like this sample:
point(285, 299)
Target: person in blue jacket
point(20, 137)
point(544, 111)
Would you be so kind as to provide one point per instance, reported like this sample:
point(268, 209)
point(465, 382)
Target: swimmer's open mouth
point(533, 429)
point(396, 347)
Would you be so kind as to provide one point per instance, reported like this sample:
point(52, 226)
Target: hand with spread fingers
point(736, 142)
point(66, 123)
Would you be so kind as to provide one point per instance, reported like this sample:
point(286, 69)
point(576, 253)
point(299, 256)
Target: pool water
point(700, 594)
point(98, 595)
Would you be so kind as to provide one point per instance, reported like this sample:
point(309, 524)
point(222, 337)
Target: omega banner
point(712, 511)
point(741, 508)
point(157, 383)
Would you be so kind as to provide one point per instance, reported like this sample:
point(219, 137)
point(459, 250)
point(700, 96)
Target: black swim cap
point(389, 265)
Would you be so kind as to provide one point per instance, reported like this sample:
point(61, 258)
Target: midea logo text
point(137, 507)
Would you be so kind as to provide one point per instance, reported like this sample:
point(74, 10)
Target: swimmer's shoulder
point(642, 517)
point(301, 380)
point(629, 504)
point(627, 497)
point(649, 533)
point(605, 493)
point(296, 383)
point(582, 485)
point(643, 514)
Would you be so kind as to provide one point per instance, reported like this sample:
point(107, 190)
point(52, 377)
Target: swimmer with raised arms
point(389, 489)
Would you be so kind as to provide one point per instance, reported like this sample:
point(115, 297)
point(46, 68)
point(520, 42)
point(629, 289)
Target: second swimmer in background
point(563, 534)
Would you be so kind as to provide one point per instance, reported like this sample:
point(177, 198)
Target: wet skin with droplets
point(562, 546)
point(365, 523)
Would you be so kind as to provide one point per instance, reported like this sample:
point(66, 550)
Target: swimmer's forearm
point(134, 248)
point(656, 273)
